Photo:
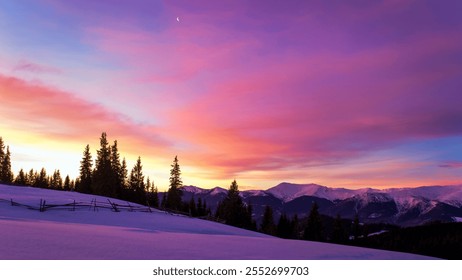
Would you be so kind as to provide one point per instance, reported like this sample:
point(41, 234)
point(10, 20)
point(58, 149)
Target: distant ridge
point(400, 206)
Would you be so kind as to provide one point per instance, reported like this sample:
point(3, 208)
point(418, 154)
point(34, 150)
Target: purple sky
point(341, 93)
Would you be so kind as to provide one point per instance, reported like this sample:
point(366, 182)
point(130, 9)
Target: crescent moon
point(178, 19)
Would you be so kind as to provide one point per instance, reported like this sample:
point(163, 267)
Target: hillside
point(99, 233)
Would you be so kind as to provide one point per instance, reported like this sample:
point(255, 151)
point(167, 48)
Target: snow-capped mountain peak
point(217, 191)
point(288, 191)
point(193, 189)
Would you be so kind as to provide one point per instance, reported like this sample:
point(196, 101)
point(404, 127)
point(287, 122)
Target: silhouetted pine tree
point(49, 181)
point(117, 169)
point(249, 223)
point(123, 176)
point(41, 179)
point(6, 173)
point(338, 232)
point(295, 227)
point(174, 192)
point(267, 224)
point(136, 182)
point(192, 207)
point(2, 156)
point(148, 185)
point(313, 230)
point(31, 178)
point(201, 210)
point(285, 227)
point(233, 211)
point(84, 183)
point(76, 184)
point(103, 180)
point(163, 203)
point(21, 179)
point(56, 181)
point(67, 183)
point(207, 210)
point(152, 194)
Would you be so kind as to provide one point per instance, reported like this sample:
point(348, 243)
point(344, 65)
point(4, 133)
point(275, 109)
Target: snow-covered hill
point(104, 234)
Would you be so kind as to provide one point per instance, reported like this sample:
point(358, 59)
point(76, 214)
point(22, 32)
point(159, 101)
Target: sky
point(339, 93)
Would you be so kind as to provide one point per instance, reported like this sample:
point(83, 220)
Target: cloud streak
point(56, 114)
point(244, 89)
point(28, 66)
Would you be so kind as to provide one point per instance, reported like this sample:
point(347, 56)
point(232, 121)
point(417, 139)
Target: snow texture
point(104, 234)
point(448, 194)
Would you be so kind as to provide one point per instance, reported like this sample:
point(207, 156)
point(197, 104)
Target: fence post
point(113, 206)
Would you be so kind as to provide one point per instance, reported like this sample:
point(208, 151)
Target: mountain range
point(398, 206)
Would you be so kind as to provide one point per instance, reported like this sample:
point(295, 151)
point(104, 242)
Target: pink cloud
point(274, 115)
point(49, 112)
point(254, 87)
point(451, 164)
point(28, 66)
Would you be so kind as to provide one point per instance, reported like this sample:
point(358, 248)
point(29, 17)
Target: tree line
point(313, 226)
point(108, 175)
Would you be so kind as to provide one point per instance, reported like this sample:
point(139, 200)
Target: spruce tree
point(41, 180)
point(117, 169)
point(284, 227)
point(249, 223)
point(84, 183)
point(338, 233)
point(67, 183)
point(31, 177)
point(200, 208)
point(103, 180)
point(295, 228)
point(174, 192)
point(123, 176)
point(56, 181)
point(148, 185)
point(2, 156)
point(136, 182)
point(21, 179)
point(232, 206)
point(163, 203)
point(313, 230)
point(267, 224)
point(7, 173)
point(192, 207)
point(154, 196)
point(233, 211)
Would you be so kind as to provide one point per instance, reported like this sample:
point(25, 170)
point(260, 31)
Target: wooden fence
point(94, 205)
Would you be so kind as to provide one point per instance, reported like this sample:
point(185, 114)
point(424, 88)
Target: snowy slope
point(103, 234)
point(448, 194)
